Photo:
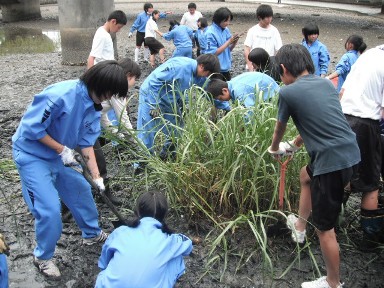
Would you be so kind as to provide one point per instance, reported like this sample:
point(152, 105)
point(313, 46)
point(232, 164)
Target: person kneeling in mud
point(146, 253)
point(62, 117)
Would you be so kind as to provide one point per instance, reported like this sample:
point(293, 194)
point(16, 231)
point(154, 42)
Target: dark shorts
point(367, 176)
point(327, 192)
point(154, 45)
point(140, 38)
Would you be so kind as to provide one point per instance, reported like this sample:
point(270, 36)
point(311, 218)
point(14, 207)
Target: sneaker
point(297, 236)
point(98, 239)
point(319, 283)
point(47, 267)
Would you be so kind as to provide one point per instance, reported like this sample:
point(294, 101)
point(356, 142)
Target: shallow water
point(19, 40)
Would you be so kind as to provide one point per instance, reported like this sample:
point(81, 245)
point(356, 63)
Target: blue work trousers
point(44, 183)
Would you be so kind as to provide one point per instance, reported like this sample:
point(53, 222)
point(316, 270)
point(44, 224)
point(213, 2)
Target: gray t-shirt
point(314, 106)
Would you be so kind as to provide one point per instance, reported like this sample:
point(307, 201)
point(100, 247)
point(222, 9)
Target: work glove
point(100, 184)
point(289, 147)
point(278, 153)
point(68, 157)
point(119, 135)
point(4, 248)
point(130, 34)
point(155, 113)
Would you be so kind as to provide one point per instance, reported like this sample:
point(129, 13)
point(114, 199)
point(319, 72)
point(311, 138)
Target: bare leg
point(369, 200)
point(152, 60)
point(330, 251)
point(305, 204)
point(161, 54)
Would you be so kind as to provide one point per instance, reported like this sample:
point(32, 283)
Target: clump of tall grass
point(222, 169)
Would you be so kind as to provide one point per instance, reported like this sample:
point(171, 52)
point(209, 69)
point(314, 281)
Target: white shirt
point(119, 106)
point(191, 20)
point(150, 28)
point(364, 87)
point(266, 38)
point(102, 46)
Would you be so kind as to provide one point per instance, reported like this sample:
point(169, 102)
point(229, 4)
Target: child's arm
point(277, 137)
point(323, 60)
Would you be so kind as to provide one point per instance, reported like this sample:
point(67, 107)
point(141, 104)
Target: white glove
point(68, 157)
point(129, 34)
point(278, 153)
point(118, 134)
point(100, 184)
point(289, 147)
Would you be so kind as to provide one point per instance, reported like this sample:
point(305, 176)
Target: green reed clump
point(221, 171)
point(222, 168)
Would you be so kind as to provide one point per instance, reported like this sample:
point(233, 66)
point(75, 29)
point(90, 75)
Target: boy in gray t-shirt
point(314, 106)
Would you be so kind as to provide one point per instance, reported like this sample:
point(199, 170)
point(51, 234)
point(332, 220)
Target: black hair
point(203, 22)
point(266, 64)
point(130, 67)
point(295, 58)
point(192, 5)
point(210, 62)
point(222, 14)
point(172, 24)
point(155, 12)
point(264, 11)
point(215, 87)
point(260, 57)
point(119, 16)
point(151, 204)
point(106, 78)
point(310, 29)
point(357, 42)
point(147, 6)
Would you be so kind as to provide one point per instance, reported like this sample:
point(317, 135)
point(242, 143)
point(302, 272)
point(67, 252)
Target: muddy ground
point(23, 75)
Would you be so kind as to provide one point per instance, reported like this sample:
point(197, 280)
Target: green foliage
point(222, 169)
point(221, 172)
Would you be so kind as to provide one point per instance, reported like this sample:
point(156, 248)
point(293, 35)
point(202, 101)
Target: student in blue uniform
point(220, 41)
point(4, 250)
point(182, 39)
point(139, 26)
point(200, 36)
point(318, 51)
point(62, 117)
point(146, 253)
point(161, 93)
point(354, 46)
point(246, 88)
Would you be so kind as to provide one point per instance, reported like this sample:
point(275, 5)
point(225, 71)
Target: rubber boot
point(110, 196)
point(372, 223)
point(137, 50)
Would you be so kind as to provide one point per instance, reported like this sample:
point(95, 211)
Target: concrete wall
point(78, 23)
point(20, 10)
